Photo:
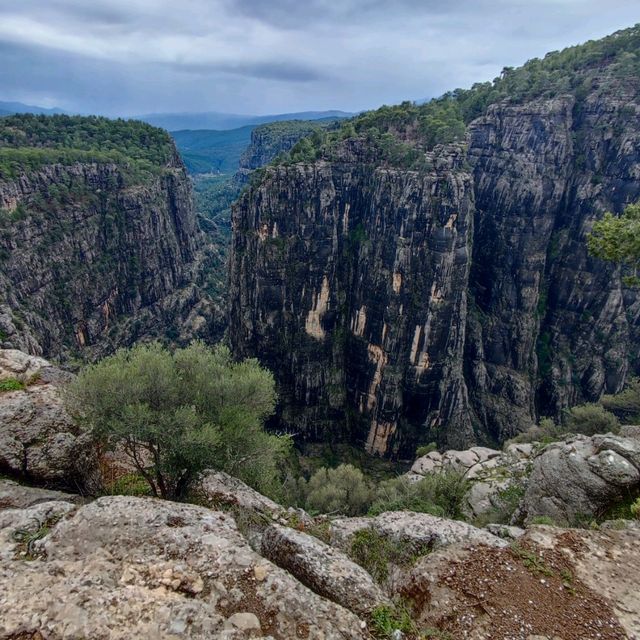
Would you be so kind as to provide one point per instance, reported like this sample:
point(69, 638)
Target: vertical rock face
point(89, 263)
point(551, 327)
point(456, 303)
point(350, 281)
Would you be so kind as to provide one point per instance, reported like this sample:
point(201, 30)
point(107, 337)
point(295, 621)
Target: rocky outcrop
point(455, 302)
point(552, 583)
point(90, 261)
point(323, 569)
point(421, 530)
point(38, 439)
point(16, 496)
point(123, 567)
point(582, 478)
point(132, 567)
point(494, 476)
point(274, 138)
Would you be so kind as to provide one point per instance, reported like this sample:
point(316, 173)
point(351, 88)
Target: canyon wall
point(454, 302)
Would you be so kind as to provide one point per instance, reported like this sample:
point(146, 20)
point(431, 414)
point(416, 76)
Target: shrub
point(635, 509)
point(11, 384)
point(175, 415)
point(343, 490)
point(440, 494)
point(376, 552)
point(425, 449)
point(386, 620)
point(547, 431)
point(589, 419)
point(625, 404)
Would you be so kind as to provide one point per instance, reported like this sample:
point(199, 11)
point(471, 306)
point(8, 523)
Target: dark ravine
point(456, 303)
point(102, 266)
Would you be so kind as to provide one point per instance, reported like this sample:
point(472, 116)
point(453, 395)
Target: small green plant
point(376, 552)
point(131, 484)
point(11, 384)
point(635, 509)
point(27, 538)
point(425, 449)
point(387, 619)
point(531, 560)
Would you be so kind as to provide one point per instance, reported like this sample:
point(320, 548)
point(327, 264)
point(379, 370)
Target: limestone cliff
point(405, 291)
point(92, 259)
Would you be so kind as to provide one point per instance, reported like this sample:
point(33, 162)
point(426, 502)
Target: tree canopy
point(617, 239)
point(176, 414)
point(28, 142)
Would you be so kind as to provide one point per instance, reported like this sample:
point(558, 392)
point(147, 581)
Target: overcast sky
point(268, 56)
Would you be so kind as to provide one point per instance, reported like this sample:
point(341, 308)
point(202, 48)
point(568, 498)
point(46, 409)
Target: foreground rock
point(38, 439)
point(322, 568)
point(16, 496)
point(123, 568)
point(582, 478)
point(420, 529)
point(553, 583)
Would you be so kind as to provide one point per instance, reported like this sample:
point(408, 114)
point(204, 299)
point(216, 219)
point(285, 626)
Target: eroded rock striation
point(453, 300)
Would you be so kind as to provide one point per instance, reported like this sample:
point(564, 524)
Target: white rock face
point(122, 568)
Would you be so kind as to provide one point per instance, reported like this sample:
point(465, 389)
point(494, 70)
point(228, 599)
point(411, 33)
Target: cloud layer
point(254, 56)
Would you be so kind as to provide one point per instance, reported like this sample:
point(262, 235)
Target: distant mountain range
point(9, 108)
point(193, 121)
point(224, 121)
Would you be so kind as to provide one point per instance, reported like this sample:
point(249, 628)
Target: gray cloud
point(252, 56)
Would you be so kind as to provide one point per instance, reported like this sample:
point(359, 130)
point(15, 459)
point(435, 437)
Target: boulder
point(38, 439)
point(421, 530)
point(16, 496)
point(322, 568)
point(491, 473)
point(124, 567)
point(219, 489)
point(581, 478)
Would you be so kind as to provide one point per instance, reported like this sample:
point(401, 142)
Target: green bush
point(547, 431)
point(425, 449)
point(440, 494)
point(635, 509)
point(386, 620)
point(11, 384)
point(376, 552)
point(589, 419)
point(176, 414)
point(625, 404)
point(343, 490)
point(131, 484)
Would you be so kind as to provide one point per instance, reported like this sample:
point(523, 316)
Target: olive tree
point(176, 414)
